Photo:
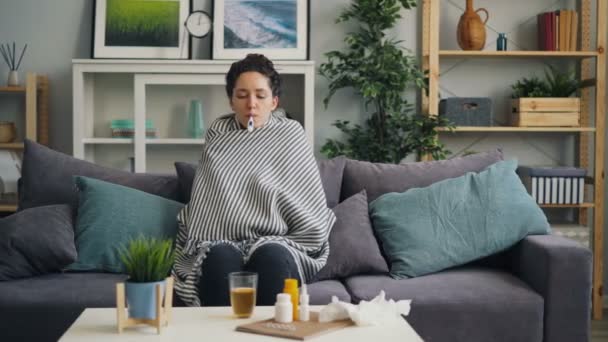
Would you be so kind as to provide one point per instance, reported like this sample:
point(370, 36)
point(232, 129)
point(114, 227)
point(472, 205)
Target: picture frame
point(118, 33)
point(278, 29)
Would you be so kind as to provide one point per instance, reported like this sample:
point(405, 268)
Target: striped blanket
point(253, 188)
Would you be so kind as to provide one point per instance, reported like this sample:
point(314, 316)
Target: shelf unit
point(160, 90)
point(592, 62)
point(36, 117)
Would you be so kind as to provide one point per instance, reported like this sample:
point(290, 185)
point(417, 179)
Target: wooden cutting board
point(296, 330)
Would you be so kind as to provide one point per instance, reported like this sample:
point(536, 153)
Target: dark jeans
point(272, 262)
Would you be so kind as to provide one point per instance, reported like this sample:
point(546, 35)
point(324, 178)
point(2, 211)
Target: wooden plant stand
point(163, 312)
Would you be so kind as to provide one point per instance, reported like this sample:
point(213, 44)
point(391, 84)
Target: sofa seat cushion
point(320, 292)
point(463, 304)
point(53, 301)
point(59, 290)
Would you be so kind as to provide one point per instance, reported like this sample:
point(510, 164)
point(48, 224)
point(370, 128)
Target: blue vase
point(141, 299)
point(195, 119)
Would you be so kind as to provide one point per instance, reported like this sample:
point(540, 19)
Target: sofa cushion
point(455, 221)
point(46, 178)
point(463, 304)
point(110, 215)
point(185, 176)
point(321, 292)
point(53, 302)
point(331, 171)
point(36, 241)
point(378, 179)
point(353, 249)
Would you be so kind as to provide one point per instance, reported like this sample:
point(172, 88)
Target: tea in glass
point(243, 290)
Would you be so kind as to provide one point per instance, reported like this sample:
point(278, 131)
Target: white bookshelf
point(160, 90)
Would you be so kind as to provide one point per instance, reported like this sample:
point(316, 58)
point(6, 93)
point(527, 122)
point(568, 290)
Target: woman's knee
point(273, 257)
point(224, 252)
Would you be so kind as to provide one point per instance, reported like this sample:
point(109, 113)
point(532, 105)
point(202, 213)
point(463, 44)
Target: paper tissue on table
point(373, 312)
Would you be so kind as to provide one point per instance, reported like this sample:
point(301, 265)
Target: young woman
point(257, 201)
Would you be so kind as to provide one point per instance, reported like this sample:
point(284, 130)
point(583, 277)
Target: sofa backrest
point(378, 179)
point(47, 178)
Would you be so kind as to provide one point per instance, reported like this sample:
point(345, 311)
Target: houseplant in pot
point(548, 102)
point(379, 70)
point(148, 262)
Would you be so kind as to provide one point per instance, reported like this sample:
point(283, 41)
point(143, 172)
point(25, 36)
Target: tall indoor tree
point(380, 70)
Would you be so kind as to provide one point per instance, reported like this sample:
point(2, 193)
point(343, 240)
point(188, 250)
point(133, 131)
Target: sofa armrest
point(559, 269)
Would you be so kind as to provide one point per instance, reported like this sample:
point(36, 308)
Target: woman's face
point(252, 96)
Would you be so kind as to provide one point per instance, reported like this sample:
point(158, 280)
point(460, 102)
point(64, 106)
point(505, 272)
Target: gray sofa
point(538, 290)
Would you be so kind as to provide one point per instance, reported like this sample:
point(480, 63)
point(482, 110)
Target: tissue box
point(467, 111)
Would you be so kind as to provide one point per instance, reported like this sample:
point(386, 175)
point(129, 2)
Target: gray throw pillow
point(185, 177)
point(46, 178)
point(378, 179)
point(331, 171)
point(36, 241)
point(353, 249)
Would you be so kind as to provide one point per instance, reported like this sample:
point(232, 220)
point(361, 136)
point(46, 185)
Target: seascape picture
point(260, 24)
point(153, 23)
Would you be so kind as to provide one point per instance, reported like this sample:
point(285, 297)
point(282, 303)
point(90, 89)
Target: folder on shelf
point(574, 32)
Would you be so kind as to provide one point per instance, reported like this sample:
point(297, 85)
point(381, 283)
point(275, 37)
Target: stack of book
point(125, 128)
point(554, 185)
point(558, 30)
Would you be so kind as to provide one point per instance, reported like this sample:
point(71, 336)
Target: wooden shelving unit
point(592, 61)
point(36, 92)
point(518, 129)
point(523, 54)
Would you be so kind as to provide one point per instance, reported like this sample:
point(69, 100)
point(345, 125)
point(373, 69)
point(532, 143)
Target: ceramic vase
point(471, 32)
point(13, 78)
point(141, 298)
point(195, 119)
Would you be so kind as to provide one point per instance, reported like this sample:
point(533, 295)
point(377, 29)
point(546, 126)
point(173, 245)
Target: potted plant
point(546, 102)
point(148, 262)
point(380, 71)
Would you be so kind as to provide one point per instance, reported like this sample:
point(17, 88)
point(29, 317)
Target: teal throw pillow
point(110, 215)
point(455, 221)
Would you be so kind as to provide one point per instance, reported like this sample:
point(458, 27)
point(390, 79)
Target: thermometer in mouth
point(250, 123)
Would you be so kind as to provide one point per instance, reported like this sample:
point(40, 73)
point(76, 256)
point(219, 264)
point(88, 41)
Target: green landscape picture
point(152, 23)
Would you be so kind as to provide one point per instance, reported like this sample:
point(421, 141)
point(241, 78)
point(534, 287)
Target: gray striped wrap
point(250, 189)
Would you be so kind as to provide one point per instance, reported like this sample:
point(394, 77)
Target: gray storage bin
point(467, 111)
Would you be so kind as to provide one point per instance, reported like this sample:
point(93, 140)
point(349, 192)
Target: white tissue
point(373, 312)
point(335, 311)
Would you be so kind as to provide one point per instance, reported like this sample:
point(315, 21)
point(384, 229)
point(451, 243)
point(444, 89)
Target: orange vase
point(471, 29)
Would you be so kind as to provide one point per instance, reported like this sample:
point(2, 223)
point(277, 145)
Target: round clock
point(198, 24)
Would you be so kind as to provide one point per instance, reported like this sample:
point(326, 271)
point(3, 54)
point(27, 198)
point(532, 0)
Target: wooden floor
point(599, 329)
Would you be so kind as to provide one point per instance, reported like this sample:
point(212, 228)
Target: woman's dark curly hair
point(258, 63)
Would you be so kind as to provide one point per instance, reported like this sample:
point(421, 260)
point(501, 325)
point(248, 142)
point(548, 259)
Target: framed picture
point(141, 29)
point(276, 28)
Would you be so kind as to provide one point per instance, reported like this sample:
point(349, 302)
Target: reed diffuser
point(9, 54)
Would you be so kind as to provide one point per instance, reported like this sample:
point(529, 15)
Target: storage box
point(467, 111)
point(553, 184)
point(546, 112)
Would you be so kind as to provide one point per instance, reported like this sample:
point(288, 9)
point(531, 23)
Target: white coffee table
point(217, 324)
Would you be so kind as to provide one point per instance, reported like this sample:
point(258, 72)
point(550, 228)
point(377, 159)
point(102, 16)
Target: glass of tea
point(243, 288)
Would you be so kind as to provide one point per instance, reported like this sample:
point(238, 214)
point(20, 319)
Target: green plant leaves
point(556, 84)
point(147, 259)
point(379, 70)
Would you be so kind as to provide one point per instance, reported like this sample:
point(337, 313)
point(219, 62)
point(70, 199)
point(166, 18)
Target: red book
point(540, 30)
point(549, 24)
